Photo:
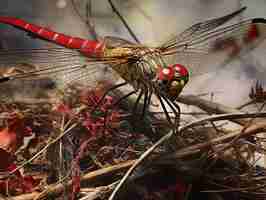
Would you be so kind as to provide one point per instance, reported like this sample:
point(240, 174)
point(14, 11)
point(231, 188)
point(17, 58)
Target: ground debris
point(78, 148)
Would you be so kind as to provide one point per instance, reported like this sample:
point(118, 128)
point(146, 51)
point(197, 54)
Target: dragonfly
point(151, 71)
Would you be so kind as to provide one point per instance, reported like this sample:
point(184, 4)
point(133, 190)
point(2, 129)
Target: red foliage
point(17, 183)
point(76, 170)
point(5, 159)
point(92, 98)
point(75, 182)
point(64, 109)
point(100, 113)
point(180, 188)
point(12, 136)
point(99, 120)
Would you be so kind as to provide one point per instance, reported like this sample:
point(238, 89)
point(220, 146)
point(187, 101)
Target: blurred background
point(153, 22)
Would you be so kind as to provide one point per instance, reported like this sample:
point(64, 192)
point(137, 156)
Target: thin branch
point(89, 24)
point(55, 190)
point(123, 21)
point(91, 176)
point(245, 104)
point(97, 191)
point(210, 107)
point(189, 149)
point(253, 129)
point(43, 149)
point(141, 158)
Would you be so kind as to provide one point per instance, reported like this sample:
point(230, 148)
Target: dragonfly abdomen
point(87, 47)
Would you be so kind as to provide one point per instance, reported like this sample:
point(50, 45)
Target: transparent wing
point(64, 66)
point(112, 41)
point(198, 29)
point(206, 47)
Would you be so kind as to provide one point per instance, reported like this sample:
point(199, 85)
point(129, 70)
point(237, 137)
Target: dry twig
point(195, 148)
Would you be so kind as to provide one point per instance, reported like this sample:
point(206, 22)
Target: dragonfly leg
point(147, 101)
point(164, 109)
point(175, 108)
point(124, 97)
point(106, 93)
point(116, 103)
point(178, 115)
point(135, 107)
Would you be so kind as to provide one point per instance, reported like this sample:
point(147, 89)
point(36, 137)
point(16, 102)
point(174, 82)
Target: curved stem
point(124, 22)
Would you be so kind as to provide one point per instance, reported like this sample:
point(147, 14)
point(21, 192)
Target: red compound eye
point(166, 73)
point(182, 70)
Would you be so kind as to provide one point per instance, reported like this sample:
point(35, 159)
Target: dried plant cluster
point(80, 146)
point(49, 142)
point(88, 144)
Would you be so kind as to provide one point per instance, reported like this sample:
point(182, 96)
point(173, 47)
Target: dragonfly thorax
point(118, 52)
point(172, 79)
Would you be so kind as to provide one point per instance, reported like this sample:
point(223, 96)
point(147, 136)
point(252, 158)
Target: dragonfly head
point(172, 79)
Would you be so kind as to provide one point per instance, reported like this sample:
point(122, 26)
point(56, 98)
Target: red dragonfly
point(159, 71)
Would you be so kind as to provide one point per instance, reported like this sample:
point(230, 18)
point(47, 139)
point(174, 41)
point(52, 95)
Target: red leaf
point(75, 182)
point(18, 183)
point(8, 140)
point(12, 137)
point(64, 109)
point(29, 183)
point(5, 159)
point(12, 167)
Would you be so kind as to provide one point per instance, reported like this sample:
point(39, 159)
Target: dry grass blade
point(64, 130)
point(57, 189)
point(142, 157)
point(195, 148)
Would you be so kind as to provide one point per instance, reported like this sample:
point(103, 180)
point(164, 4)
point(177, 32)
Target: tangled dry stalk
point(224, 158)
